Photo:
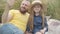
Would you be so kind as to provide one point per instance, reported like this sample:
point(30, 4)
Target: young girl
point(37, 22)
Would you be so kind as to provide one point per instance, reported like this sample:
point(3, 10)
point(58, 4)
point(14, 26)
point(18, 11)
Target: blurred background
point(53, 7)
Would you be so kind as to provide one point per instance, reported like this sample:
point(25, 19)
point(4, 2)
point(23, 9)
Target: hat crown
point(36, 1)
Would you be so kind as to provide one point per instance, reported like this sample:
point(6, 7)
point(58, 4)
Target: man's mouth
point(23, 7)
point(23, 10)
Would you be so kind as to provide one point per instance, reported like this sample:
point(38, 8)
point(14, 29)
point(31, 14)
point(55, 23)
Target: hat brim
point(36, 4)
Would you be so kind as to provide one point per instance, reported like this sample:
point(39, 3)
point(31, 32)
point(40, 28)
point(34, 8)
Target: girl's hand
point(27, 32)
point(42, 31)
point(38, 33)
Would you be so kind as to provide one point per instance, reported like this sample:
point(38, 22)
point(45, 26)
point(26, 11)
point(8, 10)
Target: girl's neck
point(37, 14)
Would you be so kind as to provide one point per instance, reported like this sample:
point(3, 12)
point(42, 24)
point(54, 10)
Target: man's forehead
point(26, 2)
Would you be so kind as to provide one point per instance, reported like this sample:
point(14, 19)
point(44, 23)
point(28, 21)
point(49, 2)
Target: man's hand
point(10, 2)
point(9, 5)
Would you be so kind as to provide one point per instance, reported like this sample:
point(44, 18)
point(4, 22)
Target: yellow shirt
point(19, 20)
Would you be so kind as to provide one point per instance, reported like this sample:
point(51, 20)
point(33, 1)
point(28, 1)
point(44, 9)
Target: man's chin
point(23, 12)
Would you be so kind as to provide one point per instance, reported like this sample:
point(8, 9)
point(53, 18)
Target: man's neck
point(23, 12)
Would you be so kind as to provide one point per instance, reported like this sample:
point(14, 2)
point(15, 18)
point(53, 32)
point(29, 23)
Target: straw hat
point(37, 1)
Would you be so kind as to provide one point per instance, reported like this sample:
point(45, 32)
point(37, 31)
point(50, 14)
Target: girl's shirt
point(38, 24)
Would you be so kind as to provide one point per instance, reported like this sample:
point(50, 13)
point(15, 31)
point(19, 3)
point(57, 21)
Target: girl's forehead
point(36, 6)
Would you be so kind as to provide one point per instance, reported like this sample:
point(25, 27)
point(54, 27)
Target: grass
point(53, 7)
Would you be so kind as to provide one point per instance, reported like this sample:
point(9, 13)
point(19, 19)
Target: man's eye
point(25, 5)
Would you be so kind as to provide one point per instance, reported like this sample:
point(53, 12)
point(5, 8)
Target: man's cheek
point(27, 8)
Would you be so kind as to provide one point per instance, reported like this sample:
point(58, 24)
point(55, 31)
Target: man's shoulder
point(27, 14)
point(14, 11)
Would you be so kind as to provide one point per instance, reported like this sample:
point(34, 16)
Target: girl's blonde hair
point(31, 18)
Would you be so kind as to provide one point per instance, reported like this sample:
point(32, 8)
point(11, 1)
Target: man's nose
point(24, 5)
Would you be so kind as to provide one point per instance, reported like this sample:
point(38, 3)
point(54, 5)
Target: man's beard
point(23, 12)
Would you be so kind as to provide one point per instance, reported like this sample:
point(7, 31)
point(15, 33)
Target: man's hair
point(27, 1)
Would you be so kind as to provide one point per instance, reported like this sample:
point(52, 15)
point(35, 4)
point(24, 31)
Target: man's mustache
point(23, 7)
